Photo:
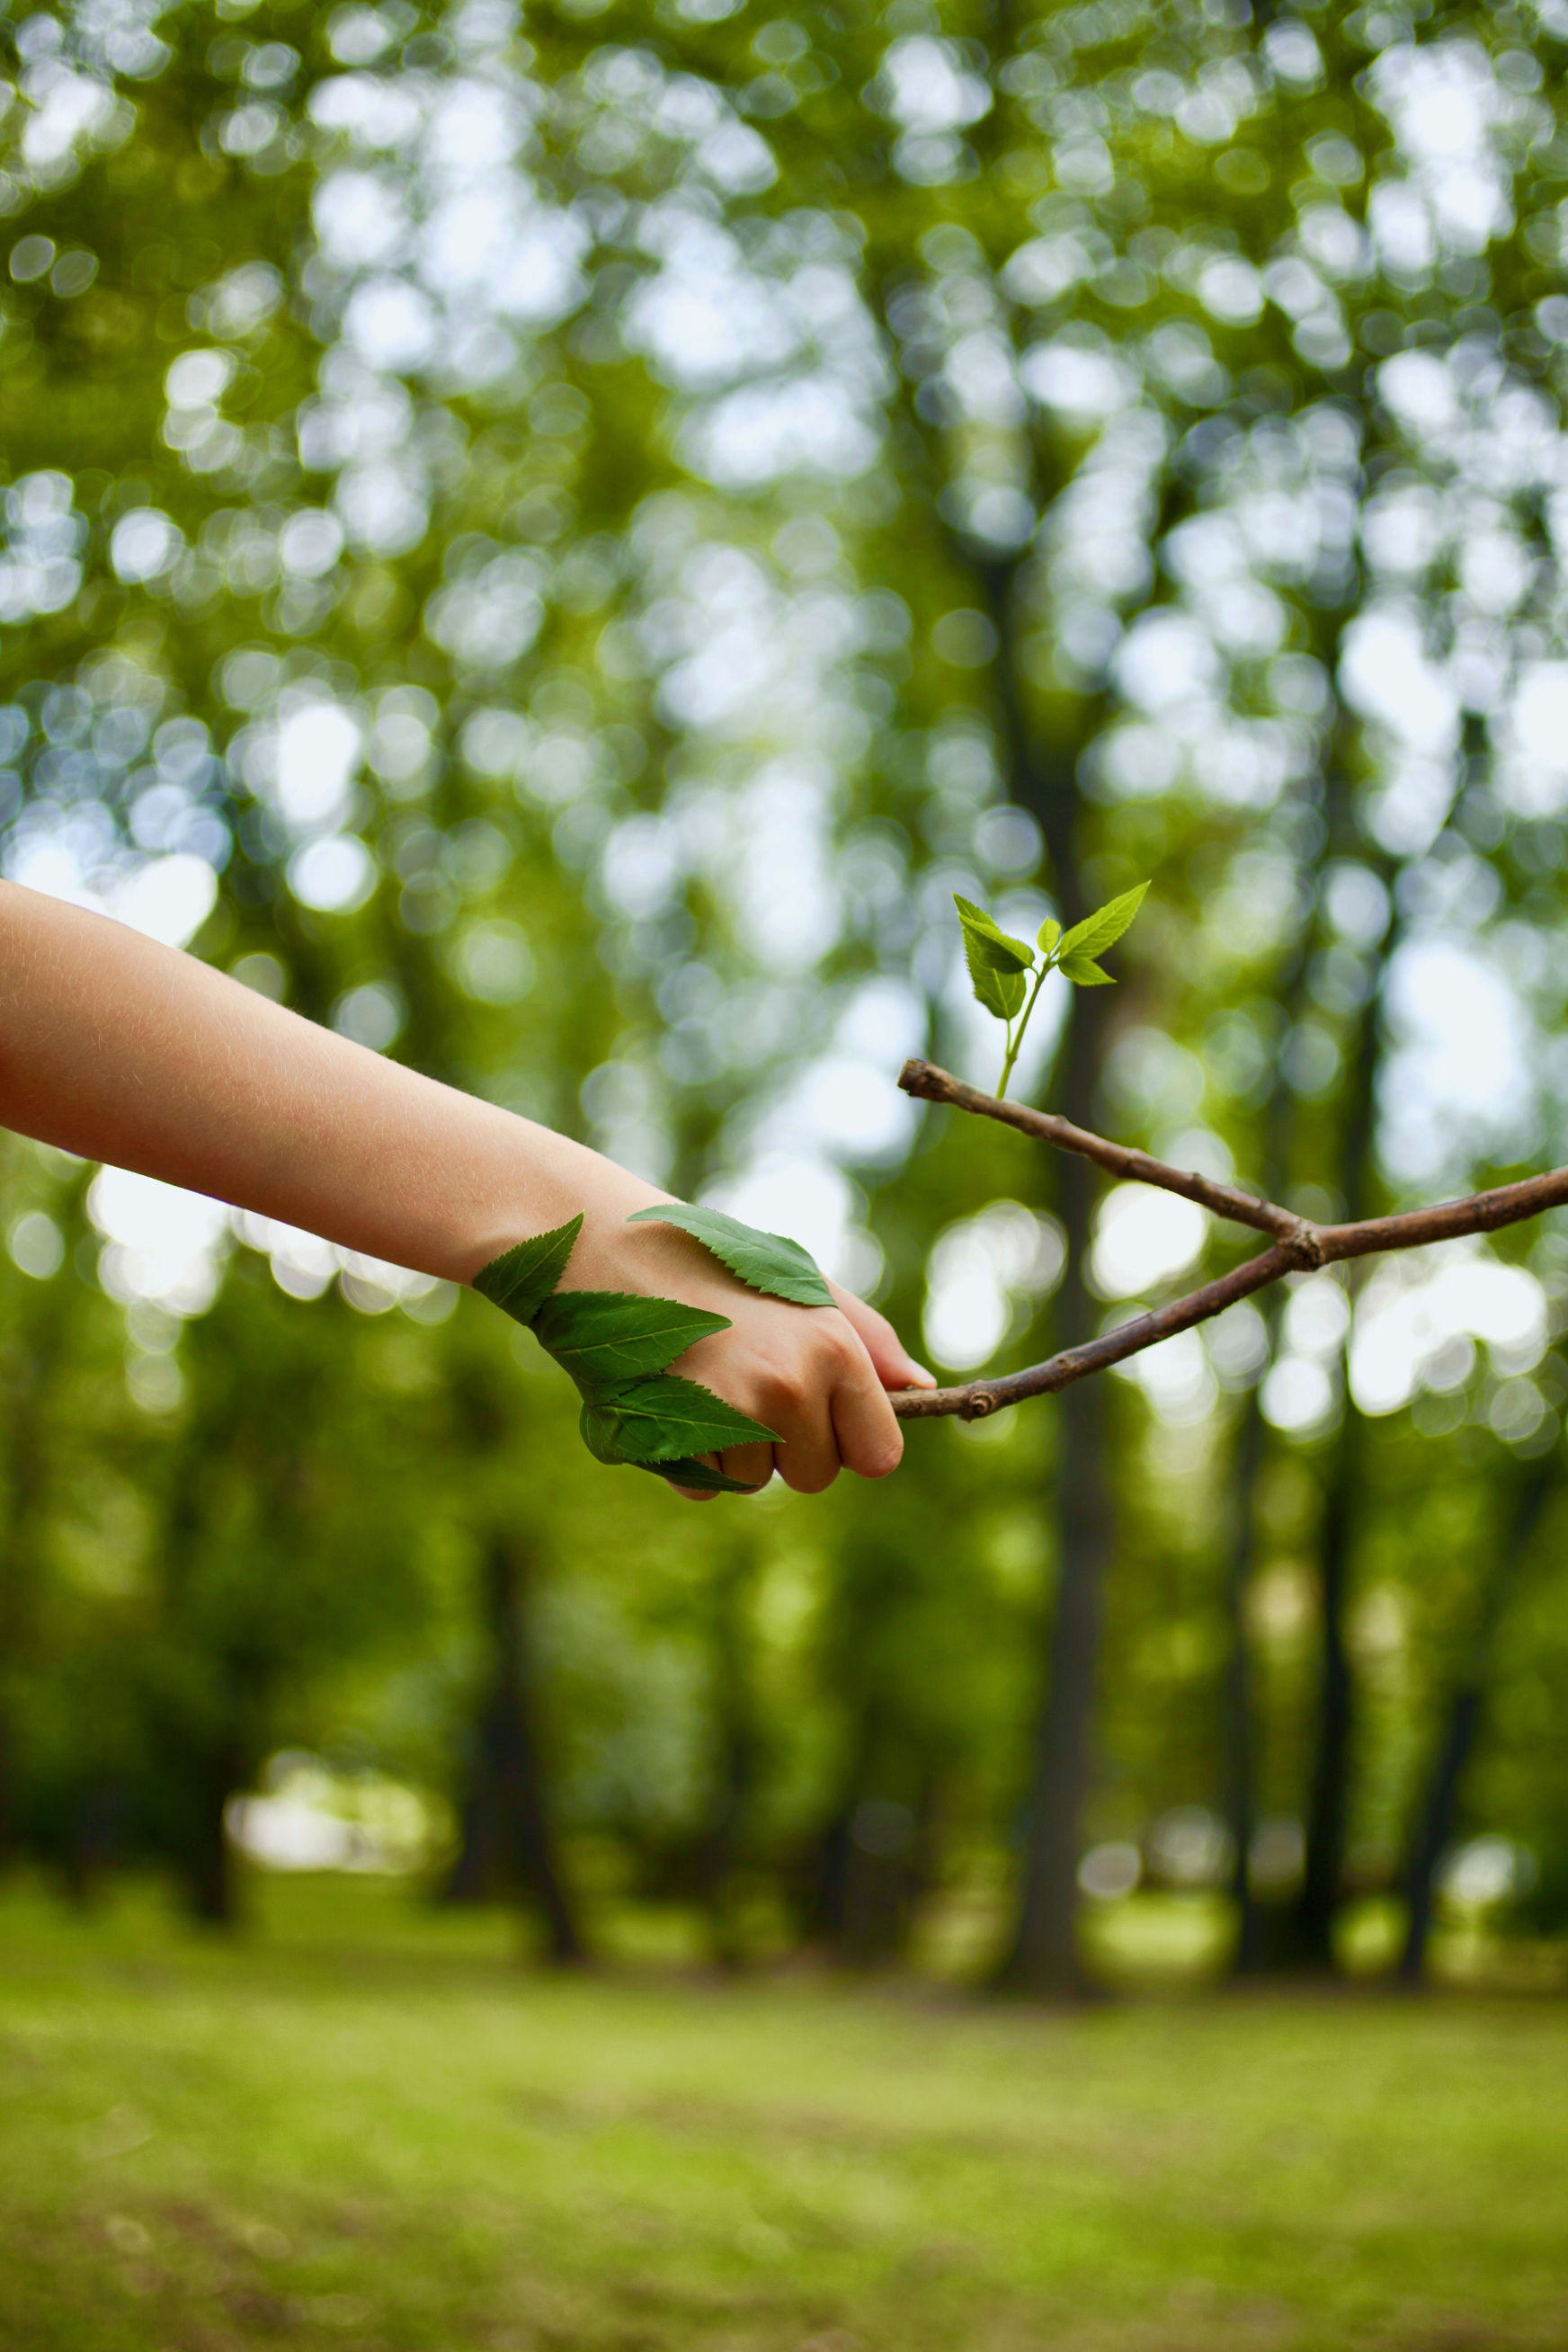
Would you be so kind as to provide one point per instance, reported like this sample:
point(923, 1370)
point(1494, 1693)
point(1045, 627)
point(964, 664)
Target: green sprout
point(1000, 966)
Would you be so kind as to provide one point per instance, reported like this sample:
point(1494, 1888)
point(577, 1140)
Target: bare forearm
point(118, 1049)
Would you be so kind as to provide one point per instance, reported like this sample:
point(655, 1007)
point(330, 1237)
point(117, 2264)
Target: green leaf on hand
point(1098, 932)
point(617, 1346)
point(767, 1262)
point(602, 1337)
point(522, 1278)
point(699, 1476)
point(664, 1418)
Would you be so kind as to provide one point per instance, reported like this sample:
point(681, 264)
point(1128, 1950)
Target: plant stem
point(1014, 1043)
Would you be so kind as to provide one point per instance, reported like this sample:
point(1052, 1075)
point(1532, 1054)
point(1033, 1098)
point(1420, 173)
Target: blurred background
point(554, 549)
point(553, 541)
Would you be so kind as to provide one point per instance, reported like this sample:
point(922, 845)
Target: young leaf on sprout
point(1098, 932)
point(998, 963)
point(988, 947)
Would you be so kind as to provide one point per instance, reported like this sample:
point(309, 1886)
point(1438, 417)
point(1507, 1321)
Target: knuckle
point(785, 1396)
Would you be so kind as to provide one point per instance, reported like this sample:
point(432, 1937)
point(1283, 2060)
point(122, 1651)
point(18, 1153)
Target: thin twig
point(933, 1085)
point(1299, 1245)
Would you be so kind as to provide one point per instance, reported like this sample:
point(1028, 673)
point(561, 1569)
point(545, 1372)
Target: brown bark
point(735, 1765)
point(1238, 1759)
point(1439, 1809)
point(1308, 1245)
point(508, 1840)
point(1042, 1958)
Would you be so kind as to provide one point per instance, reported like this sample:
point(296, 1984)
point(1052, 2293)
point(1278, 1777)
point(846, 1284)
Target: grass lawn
point(364, 2126)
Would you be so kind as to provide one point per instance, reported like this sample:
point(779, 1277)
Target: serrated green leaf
point(1049, 932)
point(984, 939)
point(700, 1474)
point(1097, 932)
point(661, 1419)
point(769, 1263)
point(1084, 973)
point(605, 1337)
point(1001, 992)
point(617, 1346)
point(524, 1276)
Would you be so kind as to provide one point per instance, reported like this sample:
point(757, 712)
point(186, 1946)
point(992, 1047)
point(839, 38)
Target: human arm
point(118, 1049)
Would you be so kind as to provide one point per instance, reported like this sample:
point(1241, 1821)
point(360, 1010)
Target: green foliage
point(617, 1349)
point(1177, 337)
point(998, 964)
point(769, 1263)
point(602, 1337)
point(523, 1277)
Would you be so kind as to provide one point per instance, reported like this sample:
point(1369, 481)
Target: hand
point(118, 1049)
point(819, 1376)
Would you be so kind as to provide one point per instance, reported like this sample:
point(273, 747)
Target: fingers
point(822, 1381)
point(842, 1418)
point(869, 1438)
point(890, 1360)
point(751, 1465)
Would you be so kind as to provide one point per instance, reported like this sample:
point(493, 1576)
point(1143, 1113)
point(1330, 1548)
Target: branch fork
point(1296, 1245)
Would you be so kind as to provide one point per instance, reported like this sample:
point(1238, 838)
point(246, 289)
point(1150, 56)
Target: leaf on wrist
point(603, 1337)
point(523, 1277)
point(769, 1263)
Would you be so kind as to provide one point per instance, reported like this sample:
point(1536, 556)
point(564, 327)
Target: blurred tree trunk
point(206, 1863)
point(1042, 1957)
point(39, 1344)
point(1238, 1737)
point(1328, 1808)
point(876, 1864)
point(1309, 1941)
point(735, 1763)
point(1238, 1725)
point(90, 1842)
point(1440, 1804)
point(508, 1839)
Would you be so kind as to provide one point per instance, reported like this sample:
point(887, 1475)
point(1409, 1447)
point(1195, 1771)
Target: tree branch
point(933, 1085)
point(1297, 1246)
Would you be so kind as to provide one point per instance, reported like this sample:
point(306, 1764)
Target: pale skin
point(118, 1049)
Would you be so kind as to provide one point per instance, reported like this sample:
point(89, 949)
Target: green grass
point(364, 2126)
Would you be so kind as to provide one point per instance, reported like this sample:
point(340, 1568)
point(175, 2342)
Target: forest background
point(555, 545)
